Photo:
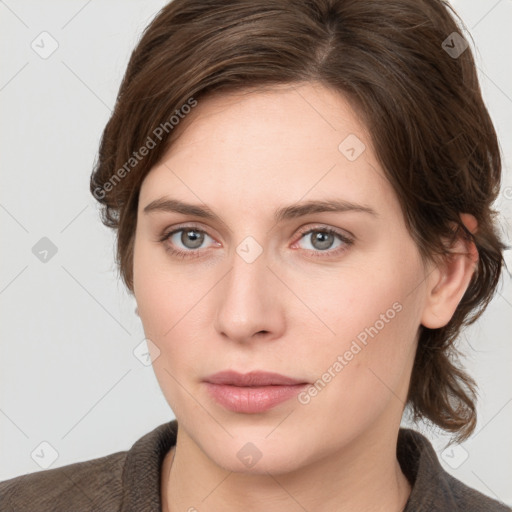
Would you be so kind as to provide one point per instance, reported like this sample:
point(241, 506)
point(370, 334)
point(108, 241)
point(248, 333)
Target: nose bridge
point(247, 302)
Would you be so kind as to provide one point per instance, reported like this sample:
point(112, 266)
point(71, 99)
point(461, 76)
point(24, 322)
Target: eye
point(185, 241)
point(325, 240)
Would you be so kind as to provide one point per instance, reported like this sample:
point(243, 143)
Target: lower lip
point(252, 400)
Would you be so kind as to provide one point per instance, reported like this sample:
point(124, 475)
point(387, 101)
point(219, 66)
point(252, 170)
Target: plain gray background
point(68, 373)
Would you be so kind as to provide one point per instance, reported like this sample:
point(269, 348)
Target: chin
point(255, 455)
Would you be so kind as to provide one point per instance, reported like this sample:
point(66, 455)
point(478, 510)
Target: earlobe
point(449, 281)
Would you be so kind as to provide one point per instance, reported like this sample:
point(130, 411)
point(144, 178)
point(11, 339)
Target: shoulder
point(127, 480)
point(433, 488)
point(94, 484)
point(470, 500)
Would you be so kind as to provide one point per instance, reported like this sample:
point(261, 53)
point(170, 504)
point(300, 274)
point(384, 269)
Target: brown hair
point(422, 104)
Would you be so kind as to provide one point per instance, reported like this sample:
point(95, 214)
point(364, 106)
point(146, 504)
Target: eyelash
point(196, 253)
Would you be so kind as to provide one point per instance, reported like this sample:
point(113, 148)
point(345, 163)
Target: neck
point(363, 476)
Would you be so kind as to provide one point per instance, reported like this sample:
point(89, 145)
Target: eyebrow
point(293, 211)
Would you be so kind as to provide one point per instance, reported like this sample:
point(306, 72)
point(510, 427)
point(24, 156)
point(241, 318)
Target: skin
point(245, 155)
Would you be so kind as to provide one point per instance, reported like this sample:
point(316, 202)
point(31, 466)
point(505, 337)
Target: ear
point(449, 280)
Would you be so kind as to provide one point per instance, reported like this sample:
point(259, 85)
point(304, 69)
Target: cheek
point(372, 313)
point(362, 370)
point(156, 290)
point(165, 301)
point(172, 304)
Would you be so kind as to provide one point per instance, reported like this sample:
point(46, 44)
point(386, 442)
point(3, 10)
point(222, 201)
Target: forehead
point(276, 119)
point(283, 144)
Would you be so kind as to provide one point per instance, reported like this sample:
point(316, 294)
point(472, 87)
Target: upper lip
point(254, 378)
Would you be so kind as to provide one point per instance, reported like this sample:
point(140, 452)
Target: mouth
point(253, 392)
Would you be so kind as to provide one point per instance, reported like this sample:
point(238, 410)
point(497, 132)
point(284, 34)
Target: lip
point(254, 378)
point(252, 392)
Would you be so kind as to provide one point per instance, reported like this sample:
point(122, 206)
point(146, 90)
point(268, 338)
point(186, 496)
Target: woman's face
point(327, 297)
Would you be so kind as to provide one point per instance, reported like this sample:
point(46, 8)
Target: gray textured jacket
point(130, 481)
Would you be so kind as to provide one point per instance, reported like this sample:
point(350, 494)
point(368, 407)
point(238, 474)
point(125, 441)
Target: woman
point(302, 193)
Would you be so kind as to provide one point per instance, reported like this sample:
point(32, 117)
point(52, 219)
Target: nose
point(249, 302)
